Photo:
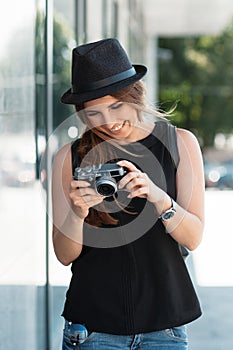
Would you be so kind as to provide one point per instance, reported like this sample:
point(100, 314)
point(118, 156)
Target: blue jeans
point(168, 339)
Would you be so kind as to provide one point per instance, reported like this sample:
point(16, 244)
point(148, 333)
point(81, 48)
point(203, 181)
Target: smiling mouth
point(118, 127)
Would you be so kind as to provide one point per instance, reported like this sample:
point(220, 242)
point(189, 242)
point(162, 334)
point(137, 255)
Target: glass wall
point(64, 39)
point(22, 216)
point(35, 63)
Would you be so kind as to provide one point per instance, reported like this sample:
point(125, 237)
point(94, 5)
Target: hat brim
point(77, 98)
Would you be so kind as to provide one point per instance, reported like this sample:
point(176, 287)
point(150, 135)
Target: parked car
point(219, 175)
point(226, 180)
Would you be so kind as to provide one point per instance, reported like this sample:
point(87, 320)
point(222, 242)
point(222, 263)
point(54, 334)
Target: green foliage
point(199, 75)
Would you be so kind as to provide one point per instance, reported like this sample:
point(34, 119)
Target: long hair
point(93, 139)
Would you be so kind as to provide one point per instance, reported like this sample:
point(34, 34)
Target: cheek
point(130, 112)
point(94, 122)
point(132, 116)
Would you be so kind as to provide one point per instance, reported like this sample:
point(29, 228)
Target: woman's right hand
point(83, 197)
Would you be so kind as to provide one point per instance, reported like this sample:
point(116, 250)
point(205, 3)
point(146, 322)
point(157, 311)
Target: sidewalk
point(211, 269)
point(214, 329)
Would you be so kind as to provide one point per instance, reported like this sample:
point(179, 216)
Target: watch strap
point(169, 213)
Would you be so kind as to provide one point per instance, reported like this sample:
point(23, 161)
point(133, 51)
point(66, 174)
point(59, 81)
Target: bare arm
point(67, 226)
point(71, 201)
point(186, 227)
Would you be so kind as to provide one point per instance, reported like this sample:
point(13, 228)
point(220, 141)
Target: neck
point(140, 131)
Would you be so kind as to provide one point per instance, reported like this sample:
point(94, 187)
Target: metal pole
point(152, 63)
point(48, 131)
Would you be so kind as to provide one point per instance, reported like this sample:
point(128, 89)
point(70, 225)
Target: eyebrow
point(89, 109)
point(114, 103)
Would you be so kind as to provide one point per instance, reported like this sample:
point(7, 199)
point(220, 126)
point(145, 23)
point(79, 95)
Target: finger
point(130, 166)
point(79, 183)
point(82, 192)
point(141, 192)
point(84, 196)
point(88, 201)
point(135, 183)
point(87, 191)
point(133, 175)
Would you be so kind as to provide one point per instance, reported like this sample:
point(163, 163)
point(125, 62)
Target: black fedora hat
point(98, 69)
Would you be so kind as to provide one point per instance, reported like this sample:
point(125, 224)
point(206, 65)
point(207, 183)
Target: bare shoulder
point(186, 135)
point(62, 164)
point(63, 153)
point(62, 157)
point(187, 141)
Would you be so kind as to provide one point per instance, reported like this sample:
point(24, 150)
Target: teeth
point(118, 127)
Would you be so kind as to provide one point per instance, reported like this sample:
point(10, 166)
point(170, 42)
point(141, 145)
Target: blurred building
point(35, 52)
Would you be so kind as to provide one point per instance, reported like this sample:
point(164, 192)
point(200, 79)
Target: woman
point(130, 287)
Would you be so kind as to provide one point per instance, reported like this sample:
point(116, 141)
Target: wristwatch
point(169, 213)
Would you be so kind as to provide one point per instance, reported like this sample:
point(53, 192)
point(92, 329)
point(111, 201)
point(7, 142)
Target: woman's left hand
point(138, 184)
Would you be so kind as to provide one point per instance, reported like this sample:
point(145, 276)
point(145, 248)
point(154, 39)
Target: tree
point(199, 76)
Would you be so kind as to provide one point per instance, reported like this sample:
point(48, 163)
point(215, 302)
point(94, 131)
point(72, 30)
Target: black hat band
point(103, 82)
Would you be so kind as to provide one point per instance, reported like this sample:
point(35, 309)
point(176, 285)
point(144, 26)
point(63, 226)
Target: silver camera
point(103, 177)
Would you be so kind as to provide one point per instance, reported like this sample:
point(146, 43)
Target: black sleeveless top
point(132, 278)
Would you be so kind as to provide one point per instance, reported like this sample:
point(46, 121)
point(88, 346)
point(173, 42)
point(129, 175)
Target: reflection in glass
point(21, 210)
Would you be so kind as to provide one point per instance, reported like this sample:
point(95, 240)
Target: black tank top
point(132, 278)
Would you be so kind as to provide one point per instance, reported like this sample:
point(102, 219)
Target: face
point(115, 118)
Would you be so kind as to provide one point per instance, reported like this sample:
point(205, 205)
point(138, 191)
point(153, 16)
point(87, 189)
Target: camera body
point(102, 177)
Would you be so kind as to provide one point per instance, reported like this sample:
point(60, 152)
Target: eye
point(117, 105)
point(91, 113)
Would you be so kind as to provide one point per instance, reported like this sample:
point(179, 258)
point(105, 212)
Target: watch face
point(168, 215)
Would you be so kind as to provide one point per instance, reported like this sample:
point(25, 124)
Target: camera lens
point(106, 187)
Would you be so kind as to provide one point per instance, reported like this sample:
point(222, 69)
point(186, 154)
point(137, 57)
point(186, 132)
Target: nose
point(107, 117)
